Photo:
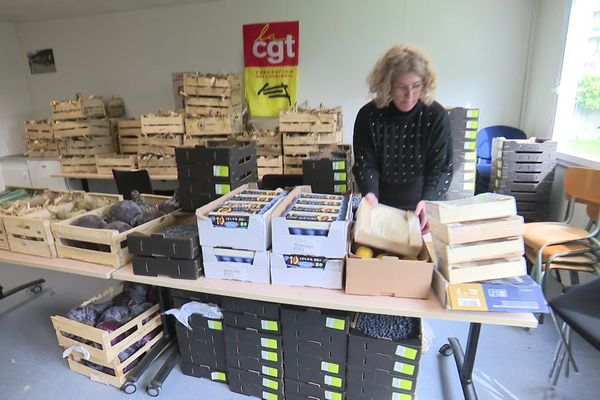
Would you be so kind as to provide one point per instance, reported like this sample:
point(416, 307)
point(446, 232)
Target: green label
point(218, 376)
point(406, 369)
point(268, 343)
point(332, 395)
point(404, 384)
point(469, 186)
point(470, 134)
point(330, 367)
point(333, 381)
point(340, 188)
point(470, 155)
point(269, 396)
point(337, 165)
point(401, 396)
point(216, 325)
point(221, 170)
point(473, 113)
point(469, 145)
point(269, 325)
point(335, 323)
point(472, 124)
point(406, 352)
point(222, 188)
point(467, 176)
point(339, 176)
point(469, 166)
point(270, 383)
point(269, 355)
point(269, 371)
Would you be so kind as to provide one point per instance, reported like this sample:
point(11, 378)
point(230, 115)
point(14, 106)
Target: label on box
point(269, 355)
point(330, 367)
point(236, 271)
point(473, 113)
point(335, 323)
point(471, 155)
point(469, 134)
point(317, 202)
point(401, 396)
point(222, 188)
point(307, 244)
point(337, 165)
point(472, 124)
point(268, 343)
point(406, 369)
point(406, 352)
point(333, 381)
point(267, 325)
point(340, 176)
point(269, 396)
point(221, 171)
point(234, 255)
point(270, 383)
point(230, 221)
point(404, 384)
point(320, 196)
point(218, 376)
point(300, 261)
point(332, 395)
point(312, 208)
point(269, 371)
point(469, 146)
point(340, 188)
point(216, 325)
point(469, 166)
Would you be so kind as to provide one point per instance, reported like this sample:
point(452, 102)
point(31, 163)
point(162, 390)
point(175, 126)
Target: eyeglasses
point(415, 87)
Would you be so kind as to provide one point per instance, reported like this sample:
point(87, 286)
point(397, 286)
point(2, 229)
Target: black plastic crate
point(252, 321)
point(190, 203)
point(301, 390)
point(252, 338)
point(204, 371)
point(268, 369)
point(359, 378)
point(510, 186)
point(509, 165)
point(166, 266)
point(333, 351)
point(156, 244)
point(254, 384)
point(358, 390)
point(329, 172)
point(521, 146)
point(314, 376)
point(247, 306)
point(180, 297)
point(216, 173)
point(218, 185)
point(216, 153)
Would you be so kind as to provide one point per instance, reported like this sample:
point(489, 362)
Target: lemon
point(364, 252)
point(382, 255)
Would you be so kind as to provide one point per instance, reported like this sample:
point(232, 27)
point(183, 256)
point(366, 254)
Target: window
point(577, 119)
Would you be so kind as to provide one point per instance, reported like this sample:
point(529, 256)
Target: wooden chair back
point(583, 184)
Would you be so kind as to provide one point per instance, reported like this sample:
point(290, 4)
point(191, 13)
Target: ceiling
point(17, 11)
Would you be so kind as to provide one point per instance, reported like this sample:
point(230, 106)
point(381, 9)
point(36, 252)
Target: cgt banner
point(271, 67)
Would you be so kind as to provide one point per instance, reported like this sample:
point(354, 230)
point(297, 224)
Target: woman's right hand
point(371, 199)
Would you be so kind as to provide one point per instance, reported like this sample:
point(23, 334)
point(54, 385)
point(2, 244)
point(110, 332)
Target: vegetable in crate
point(170, 205)
point(111, 326)
point(90, 221)
point(125, 211)
point(138, 309)
point(182, 231)
point(147, 216)
point(139, 200)
point(139, 288)
point(119, 226)
point(388, 326)
point(118, 313)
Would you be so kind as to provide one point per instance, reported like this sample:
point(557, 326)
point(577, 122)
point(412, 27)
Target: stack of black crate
point(524, 169)
point(464, 123)
point(202, 349)
point(254, 348)
point(329, 171)
point(175, 257)
point(380, 368)
point(315, 344)
point(205, 173)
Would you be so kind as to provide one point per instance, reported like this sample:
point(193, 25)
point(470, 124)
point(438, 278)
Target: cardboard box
point(389, 276)
point(254, 384)
point(256, 236)
point(329, 277)
point(518, 294)
point(450, 254)
point(204, 371)
point(359, 378)
point(334, 245)
point(368, 229)
point(482, 206)
point(257, 271)
point(474, 231)
point(476, 271)
point(301, 390)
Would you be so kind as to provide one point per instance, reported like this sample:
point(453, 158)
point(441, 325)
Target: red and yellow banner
point(271, 67)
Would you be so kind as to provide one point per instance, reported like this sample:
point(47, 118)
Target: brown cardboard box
point(474, 231)
point(389, 276)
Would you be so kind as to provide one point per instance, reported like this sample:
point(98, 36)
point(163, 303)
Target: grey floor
point(512, 363)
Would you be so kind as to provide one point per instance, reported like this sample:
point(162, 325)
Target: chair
point(127, 181)
point(484, 152)
point(274, 181)
point(560, 242)
point(578, 309)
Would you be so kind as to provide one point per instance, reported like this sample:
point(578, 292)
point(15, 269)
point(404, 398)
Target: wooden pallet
point(197, 125)
point(115, 107)
point(84, 165)
point(79, 108)
point(296, 138)
point(212, 85)
point(86, 146)
point(110, 343)
point(317, 120)
point(153, 124)
point(116, 253)
point(208, 106)
point(31, 233)
point(105, 164)
point(89, 127)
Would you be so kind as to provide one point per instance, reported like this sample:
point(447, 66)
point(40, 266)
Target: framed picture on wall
point(41, 61)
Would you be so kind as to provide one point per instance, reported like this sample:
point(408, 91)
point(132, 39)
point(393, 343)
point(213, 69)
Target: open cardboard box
point(329, 277)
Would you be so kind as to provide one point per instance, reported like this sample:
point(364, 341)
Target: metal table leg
point(465, 360)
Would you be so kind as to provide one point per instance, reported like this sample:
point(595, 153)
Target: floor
point(512, 363)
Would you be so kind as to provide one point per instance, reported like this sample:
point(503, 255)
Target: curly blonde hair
point(399, 60)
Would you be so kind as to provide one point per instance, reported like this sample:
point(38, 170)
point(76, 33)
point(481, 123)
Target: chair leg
point(562, 337)
point(560, 363)
point(557, 353)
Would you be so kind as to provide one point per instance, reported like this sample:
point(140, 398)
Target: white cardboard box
point(482, 206)
point(334, 245)
point(474, 231)
point(475, 271)
point(484, 250)
point(257, 271)
point(331, 277)
point(257, 236)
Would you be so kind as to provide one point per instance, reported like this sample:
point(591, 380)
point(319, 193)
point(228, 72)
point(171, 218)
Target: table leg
point(465, 360)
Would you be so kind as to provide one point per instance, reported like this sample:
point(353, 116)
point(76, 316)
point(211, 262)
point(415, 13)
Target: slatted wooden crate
point(213, 105)
point(129, 132)
point(42, 148)
point(269, 165)
point(112, 245)
point(295, 138)
point(324, 120)
point(161, 144)
point(78, 108)
point(83, 165)
point(31, 233)
point(292, 165)
point(198, 125)
point(212, 85)
point(163, 122)
point(86, 146)
point(268, 142)
point(89, 127)
point(203, 140)
point(105, 164)
point(115, 107)
point(39, 130)
point(158, 165)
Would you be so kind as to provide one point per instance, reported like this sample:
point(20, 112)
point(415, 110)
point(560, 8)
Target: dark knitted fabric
point(404, 154)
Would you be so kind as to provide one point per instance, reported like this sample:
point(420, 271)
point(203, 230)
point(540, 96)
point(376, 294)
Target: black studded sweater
point(403, 157)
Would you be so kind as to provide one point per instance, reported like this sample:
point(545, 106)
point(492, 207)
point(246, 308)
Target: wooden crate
point(115, 107)
point(164, 122)
point(212, 85)
point(203, 140)
point(269, 165)
point(110, 343)
point(89, 127)
point(129, 132)
point(80, 107)
point(42, 148)
point(105, 164)
point(84, 165)
point(39, 130)
point(213, 105)
point(86, 146)
point(294, 138)
point(31, 233)
point(311, 120)
point(159, 165)
point(292, 165)
point(161, 144)
point(197, 125)
point(116, 254)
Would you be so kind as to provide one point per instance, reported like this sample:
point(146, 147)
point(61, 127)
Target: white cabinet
point(41, 171)
point(15, 171)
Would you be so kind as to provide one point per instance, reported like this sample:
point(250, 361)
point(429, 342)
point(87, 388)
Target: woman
point(402, 138)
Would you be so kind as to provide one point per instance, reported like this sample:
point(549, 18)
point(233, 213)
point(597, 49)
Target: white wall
point(479, 47)
point(15, 104)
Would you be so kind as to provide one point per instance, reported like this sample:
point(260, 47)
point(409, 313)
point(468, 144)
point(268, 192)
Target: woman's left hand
point(422, 214)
